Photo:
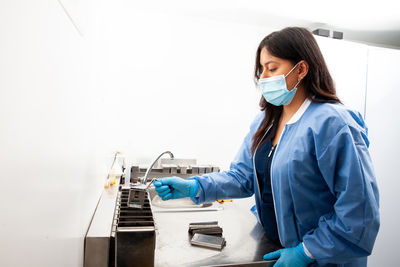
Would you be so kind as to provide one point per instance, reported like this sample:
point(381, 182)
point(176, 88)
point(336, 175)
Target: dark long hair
point(295, 44)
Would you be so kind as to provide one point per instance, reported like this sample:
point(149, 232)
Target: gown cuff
point(307, 252)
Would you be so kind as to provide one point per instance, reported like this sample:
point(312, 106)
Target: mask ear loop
point(292, 69)
point(297, 83)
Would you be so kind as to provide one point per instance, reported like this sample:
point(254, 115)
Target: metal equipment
point(122, 231)
point(124, 239)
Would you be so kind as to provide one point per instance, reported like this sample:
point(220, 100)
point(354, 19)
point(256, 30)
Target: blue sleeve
point(235, 183)
point(350, 230)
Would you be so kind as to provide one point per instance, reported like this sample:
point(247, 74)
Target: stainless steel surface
point(245, 239)
point(97, 240)
point(104, 243)
point(247, 264)
point(199, 209)
point(144, 180)
point(179, 205)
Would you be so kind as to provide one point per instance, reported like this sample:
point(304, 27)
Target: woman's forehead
point(266, 57)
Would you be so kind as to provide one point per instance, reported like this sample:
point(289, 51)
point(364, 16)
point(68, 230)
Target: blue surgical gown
point(323, 184)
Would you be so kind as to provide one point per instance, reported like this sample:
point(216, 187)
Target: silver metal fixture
point(144, 179)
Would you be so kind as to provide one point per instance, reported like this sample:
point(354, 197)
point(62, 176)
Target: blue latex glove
point(175, 187)
point(289, 257)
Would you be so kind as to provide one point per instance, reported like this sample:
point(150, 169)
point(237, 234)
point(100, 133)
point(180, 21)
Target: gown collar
point(300, 111)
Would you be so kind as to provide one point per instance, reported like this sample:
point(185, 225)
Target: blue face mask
point(274, 89)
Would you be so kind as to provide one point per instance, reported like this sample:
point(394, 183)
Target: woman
point(305, 158)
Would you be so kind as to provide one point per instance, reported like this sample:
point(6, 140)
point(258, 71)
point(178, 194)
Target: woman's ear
point(303, 69)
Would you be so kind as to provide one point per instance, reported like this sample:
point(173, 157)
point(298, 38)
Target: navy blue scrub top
point(263, 159)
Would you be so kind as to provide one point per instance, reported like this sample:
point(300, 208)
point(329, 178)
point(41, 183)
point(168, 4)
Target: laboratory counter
point(245, 238)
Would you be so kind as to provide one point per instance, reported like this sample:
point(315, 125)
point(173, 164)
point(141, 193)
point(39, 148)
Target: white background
point(384, 127)
point(140, 79)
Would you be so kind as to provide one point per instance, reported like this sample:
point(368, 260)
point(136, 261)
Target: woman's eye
point(272, 70)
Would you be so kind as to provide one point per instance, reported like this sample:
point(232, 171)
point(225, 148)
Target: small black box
point(337, 35)
point(321, 32)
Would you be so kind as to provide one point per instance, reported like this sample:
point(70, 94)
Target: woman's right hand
point(175, 187)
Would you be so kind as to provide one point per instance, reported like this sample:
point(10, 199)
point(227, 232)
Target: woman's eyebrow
point(269, 62)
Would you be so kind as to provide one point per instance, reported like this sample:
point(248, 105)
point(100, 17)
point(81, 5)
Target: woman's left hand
point(288, 257)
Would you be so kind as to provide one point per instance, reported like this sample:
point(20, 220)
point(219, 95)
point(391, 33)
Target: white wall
point(134, 79)
point(52, 166)
point(347, 64)
point(181, 82)
point(384, 127)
